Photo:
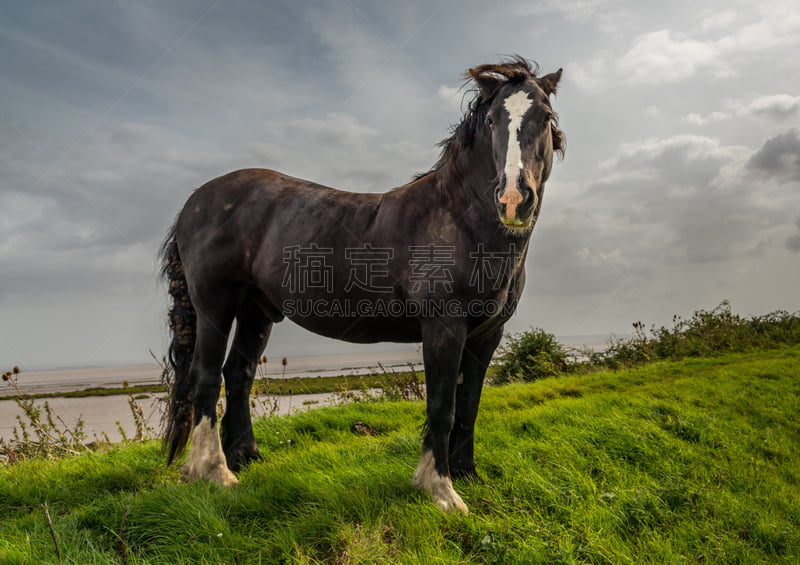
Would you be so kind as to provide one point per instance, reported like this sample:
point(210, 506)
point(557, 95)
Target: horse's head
point(524, 136)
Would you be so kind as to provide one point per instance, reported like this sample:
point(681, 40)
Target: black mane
point(512, 70)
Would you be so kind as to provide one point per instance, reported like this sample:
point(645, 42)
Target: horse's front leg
point(442, 347)
point(474, 362)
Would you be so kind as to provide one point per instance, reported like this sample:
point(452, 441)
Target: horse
point(439, 260)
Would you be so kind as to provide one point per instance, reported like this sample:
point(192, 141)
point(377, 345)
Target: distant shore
point(327, 365)
point(75, 379)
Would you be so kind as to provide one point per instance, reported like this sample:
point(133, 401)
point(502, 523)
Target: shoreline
point(64, 380)
point(307, 366)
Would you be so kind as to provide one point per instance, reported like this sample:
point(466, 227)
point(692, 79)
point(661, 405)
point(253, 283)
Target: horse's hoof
point(439, 487)
point(217, 474)
point(451, 503)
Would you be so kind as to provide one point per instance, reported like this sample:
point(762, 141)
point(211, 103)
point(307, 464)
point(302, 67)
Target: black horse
point(438, 261)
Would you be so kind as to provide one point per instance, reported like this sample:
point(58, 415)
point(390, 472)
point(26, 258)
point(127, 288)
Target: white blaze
point(516, 105)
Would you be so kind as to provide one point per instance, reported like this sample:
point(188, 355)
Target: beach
point(104, 415)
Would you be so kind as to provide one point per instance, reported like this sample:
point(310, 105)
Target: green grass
point(316, 385)
point(673, 462)
point(277, 386)
point(93, 391)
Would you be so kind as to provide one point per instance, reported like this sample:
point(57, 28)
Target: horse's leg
point(442, 346)
point(253, 327)
point(206, 461)
point(477, 355)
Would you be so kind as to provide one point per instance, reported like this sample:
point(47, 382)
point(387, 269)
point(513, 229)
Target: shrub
point(529, 356)
point(536, 354)
point(706, 334)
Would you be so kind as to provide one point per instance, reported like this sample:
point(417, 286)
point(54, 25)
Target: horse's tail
point(183, 326)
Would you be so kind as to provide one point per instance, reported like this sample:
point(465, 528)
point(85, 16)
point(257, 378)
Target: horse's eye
point(490, 122)
point(546, 120)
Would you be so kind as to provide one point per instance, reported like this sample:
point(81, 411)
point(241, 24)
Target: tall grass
point(41, 433)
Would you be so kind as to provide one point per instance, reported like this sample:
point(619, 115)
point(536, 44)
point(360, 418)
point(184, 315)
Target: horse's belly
point(359, 329)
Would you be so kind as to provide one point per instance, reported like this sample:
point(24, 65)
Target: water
point(103, 416)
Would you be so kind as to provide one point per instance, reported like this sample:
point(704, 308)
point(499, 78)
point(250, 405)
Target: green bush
point(719, 331)
point(536, 354)
point(529, 356)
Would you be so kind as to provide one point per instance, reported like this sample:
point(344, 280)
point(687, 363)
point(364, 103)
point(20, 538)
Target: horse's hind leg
point(253, 327)
point(206, 461)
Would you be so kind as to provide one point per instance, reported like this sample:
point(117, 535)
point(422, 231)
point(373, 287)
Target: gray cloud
point(670, 52)
point(341, 151)
point(660, 57)
point(663, 204)
point(793, 241)
point(777, 107)
point(779, 157)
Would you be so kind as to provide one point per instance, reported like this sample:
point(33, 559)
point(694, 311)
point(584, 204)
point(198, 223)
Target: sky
point(679, 187)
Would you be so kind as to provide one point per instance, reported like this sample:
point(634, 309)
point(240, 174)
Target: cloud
point(592, 72)
point(666, 56)
point(341, 151)
point(718, 20)
point(609, 17)
point(451, 96)
point(779, 157)
point(681, 161)
point(574, 10)
point(659, 205)
point(88, 220)
point(775, 106)
point(700, 120)
point(774, 24)
point(793, 241)
point(778, 106)
point(658, 57)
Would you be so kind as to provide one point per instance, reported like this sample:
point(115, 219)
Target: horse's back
point(250, 215)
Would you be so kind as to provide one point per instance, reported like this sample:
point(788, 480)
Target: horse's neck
point(471, 176)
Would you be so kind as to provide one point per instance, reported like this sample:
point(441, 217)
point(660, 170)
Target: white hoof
point(439, 487)
point(206, 461)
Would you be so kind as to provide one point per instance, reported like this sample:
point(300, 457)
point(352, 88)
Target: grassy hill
point(672, 462)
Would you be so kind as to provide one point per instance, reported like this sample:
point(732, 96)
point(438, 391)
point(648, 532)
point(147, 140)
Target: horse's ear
point(488, 82)
point(549, 83)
